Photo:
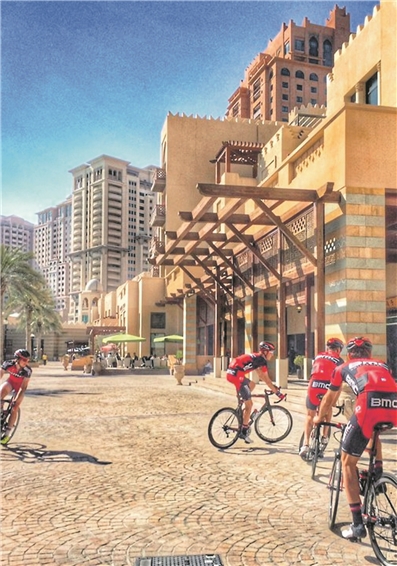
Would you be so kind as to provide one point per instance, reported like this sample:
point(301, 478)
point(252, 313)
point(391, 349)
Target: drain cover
point(193, 560)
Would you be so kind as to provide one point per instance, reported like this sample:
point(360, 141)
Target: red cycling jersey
point(17, 375)
point(320, 377)
point(242, 365)
point(375, 388)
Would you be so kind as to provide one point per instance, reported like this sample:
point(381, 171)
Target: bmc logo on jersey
point(382, 400)
point(320, 385)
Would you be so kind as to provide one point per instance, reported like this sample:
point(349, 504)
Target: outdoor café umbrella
point(170, 338)
point(123, 338)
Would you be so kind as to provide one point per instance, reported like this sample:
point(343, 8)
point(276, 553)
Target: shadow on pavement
point(31, 455)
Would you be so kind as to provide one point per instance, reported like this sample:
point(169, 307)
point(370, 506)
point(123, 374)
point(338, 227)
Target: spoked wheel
point(314, 449)
point(382, 519)
point(273, 425)
point(224, 428)
point(4, 422)
point(334, 486)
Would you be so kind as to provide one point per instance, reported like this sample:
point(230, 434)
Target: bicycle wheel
point(314, 448)
point(6, 414)
point(224, 428)
point(334, 486)
point(275, 425)
point(381, 508)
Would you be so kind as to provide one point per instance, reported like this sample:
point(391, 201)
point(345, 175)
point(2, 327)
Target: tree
point(21, 286)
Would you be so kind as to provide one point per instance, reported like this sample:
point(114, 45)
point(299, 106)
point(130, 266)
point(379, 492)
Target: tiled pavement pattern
point(107, 469)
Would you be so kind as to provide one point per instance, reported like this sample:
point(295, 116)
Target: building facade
point(112, 204)
point(15, 232)
point(52, 241)
point(292, 70)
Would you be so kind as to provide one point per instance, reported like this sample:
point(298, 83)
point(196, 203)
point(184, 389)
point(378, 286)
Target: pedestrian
point(371, 380)
point(65, 361)
point(236, 374)
point(291, 358)
point(44, 357)
point(19, 373)
point(320, 377)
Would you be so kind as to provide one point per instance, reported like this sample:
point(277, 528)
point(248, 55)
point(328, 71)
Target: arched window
point(271, 75)
point(327, 51)
point(299, 75)
point(95, 302)
point(313, 77)
point(285, 71)
point(85, 303)
point(313, 47)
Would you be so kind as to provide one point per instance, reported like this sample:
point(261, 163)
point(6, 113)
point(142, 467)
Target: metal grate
point(193, 560)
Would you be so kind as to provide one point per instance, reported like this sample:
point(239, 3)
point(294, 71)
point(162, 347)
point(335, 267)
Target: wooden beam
point(214, 277)
point(265, 193)
point(233, 267)
point(198, 284)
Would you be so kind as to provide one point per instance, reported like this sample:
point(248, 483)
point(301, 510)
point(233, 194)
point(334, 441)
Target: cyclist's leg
point(5, 389)
point(245, 390)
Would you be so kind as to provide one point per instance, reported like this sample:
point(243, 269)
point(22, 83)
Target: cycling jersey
point(16, 374)
point(242, 365)
point(323, 367)
point(376, 392)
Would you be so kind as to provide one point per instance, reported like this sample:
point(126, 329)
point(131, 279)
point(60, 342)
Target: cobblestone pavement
point(107, 469)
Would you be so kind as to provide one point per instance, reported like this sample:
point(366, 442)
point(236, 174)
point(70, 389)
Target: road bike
point(6, 410)
point(316, 445)
point(379, 507)
point(271, 422)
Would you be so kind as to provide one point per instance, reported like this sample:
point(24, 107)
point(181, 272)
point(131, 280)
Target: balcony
point(158, 215)
point(158, 184)
point(156, 247)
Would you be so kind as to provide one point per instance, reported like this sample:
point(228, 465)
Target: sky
point(81, 79)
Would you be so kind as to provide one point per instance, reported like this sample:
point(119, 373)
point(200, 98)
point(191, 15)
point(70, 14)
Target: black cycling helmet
point(335, 343)
point(22, 354)
point(359, 345)
point(267, 347)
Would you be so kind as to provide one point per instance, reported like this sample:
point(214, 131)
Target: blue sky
point(81, 79)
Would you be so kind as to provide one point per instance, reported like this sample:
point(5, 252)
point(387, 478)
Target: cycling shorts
point(241, 383)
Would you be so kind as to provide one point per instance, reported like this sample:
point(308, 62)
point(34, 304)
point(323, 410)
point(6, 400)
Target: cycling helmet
point(267, 347)
point(24, 354)
point(335, 343)
point(359, 345)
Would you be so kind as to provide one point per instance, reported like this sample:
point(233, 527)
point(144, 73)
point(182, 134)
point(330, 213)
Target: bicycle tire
point(334, 485)
point(381, 507)
point(278, 429)
point(224, 428)
point(314, 449)
point(4, 422)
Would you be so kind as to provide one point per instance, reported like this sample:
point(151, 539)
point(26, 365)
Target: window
point(299, 99)
point(313, 89)
point(313, 77)
point(286, 48)
point(299, 87)
point(270, 75)
point(313, 101)
point(284, 85)
point(313, 47)
point(371, 90)
point(284, 108)
point(235, 110)
point(257, 112)
point(256, 89)
point(285, 72)
point(285, 97)
point(299, 75)
point(157, 320)
point(327, 51)
point(299, 45)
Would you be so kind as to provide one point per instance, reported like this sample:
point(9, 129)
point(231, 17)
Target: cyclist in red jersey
point(376, 392)
point(323, 366)
point(19, 374)
point(236, 373)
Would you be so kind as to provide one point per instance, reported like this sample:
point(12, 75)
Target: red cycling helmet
point(334, 343)
point(22, 354)
point(267, 347)
point(359, 344)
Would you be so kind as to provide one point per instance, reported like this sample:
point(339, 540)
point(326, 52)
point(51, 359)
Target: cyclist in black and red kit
point(19, 374)
point(322, 369)
point(236, 374)
point(376, 392)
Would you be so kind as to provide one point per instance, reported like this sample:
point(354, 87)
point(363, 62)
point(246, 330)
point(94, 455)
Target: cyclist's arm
point(264, 376)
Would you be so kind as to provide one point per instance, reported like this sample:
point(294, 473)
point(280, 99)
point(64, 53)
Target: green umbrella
point(170, 338)
point(123, 338)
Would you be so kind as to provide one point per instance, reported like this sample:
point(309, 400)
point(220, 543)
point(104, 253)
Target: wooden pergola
point(198, 242)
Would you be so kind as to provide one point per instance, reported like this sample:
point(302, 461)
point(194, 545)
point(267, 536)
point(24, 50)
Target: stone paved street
point(103, 470)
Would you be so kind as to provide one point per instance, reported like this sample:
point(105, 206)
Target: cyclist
point(17, 381)
point(236, 373)
point(323, 366)
point(376, 391)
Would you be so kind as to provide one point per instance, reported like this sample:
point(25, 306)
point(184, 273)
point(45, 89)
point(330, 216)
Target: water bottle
point(254, 414)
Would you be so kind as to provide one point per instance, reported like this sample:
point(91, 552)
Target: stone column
point(190, 335)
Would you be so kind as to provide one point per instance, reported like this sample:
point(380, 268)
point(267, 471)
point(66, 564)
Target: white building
point(15, 232)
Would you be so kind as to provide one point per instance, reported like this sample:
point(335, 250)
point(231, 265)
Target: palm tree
point(20, 283)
